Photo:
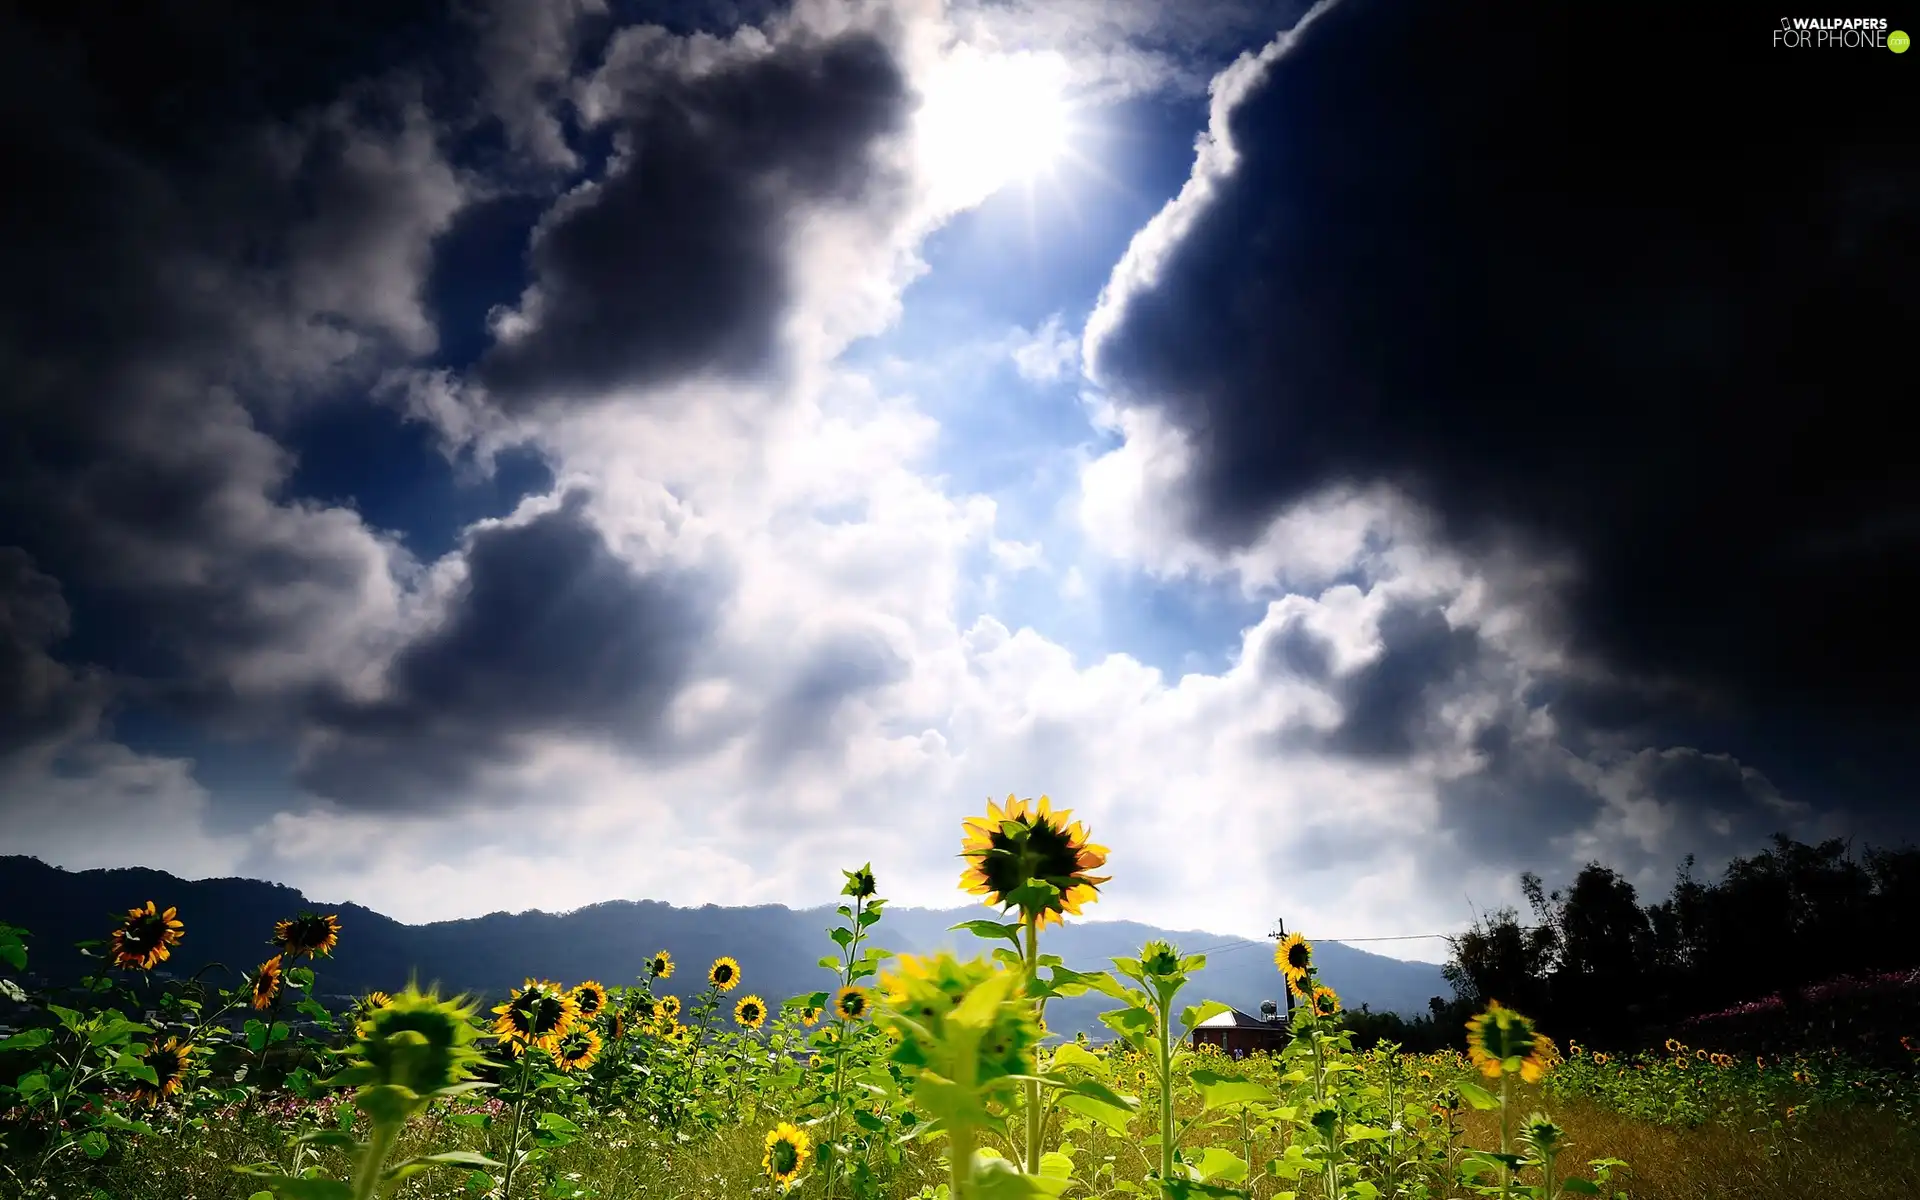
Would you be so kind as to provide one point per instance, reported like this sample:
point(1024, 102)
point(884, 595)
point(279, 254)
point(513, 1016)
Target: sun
point(987, 120)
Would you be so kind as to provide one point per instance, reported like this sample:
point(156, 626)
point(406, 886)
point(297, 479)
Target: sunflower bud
point(417, 1046)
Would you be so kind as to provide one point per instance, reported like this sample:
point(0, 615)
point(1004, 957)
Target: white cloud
point(1047, 354)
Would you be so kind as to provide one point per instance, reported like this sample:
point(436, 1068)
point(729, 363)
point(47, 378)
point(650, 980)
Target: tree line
point(1592, 963)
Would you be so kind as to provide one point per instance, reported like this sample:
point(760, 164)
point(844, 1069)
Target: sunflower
point(538, 1014)
point(1600, 1060)
point(1014, 846)
point(860, 884)
point(1325, 1002)
point(1675, 1046)
point(576, 1049)
point(308, 935)
point(589, 997)
point(660, 966)
point(371, 1003)
point(850, 1002)
point(145, 938)
point(169, 1063)
point(265, 983)
point(668, 1007)
point(724, 974)
point(1294, 955)
point(616, 1026)
point(751, 1012)
point(1501, 1041)
point(787, 1148)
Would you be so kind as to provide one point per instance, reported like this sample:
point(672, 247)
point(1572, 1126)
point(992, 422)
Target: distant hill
point(229, 921)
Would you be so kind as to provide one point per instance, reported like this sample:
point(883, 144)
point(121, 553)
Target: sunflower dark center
point(786, 1156)
point(1045, 852)
point(1297, 957)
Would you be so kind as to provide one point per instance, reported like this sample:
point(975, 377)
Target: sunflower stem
point(366, 1176)
point(519, 1108)
point(959, 1160)
point(840, 1055)
point(1032, 922)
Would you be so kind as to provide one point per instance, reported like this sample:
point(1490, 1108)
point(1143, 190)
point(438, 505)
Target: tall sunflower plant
point(1033, 862)
point(848, 1087)
point(415, 1049)
point(1148, 1026)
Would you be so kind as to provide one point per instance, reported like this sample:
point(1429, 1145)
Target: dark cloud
point(1389, 705)
point(221, 214)
point(845, 665)
point(552, 633)
point(1456, 257)
point(680, 260)
point(42, 702)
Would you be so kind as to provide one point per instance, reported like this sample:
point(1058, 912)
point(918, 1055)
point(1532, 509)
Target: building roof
point(1233, 1018)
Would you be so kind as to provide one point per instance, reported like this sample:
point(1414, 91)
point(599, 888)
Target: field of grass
point(915, 1079)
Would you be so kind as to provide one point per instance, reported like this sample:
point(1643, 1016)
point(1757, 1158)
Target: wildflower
point(1325, 1002)
point(660, 966)
point(169, 1063)
point(576, 1049)
point(308, 935)
point(850, 1002)
point(589, 997)
point(1295, 957)
point(751, 1012)
point(724, 974)
point(1012, 847)
point(1501, 1041)
point(265, 983)
point(145, 938)
point(787, 1148)
point(535, 1015)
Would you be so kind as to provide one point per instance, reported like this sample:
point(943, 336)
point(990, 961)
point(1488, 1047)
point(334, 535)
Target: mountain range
point(229, 922)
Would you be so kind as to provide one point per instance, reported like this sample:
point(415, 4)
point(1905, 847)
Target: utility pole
point(1279, 934)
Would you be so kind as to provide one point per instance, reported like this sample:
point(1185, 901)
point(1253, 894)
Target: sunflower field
point(913, 1078)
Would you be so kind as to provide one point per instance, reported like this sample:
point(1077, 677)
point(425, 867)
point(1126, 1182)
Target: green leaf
point(278, 1033)
point(1579, 1186)
point(829, 963)
point(256, 1035)
point(1478, 1096)
point(994, 1178)
point(1184, 1189)
point(1072, 1054)
point(28, 1039)
point(426, 1162)
point(1217, 1162)
point(13, 950)
point(128, 1064)
point(555, 1123)
point(991, 930)
point(1221, 1091)
point(1190, 1017)
point(841, 935)
point(1115, 1117)
point(93, 1144)
point(1133, 1024)
point(288, 1187)
point(32, 1085)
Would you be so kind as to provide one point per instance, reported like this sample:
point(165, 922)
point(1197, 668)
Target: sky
point(525, 453)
